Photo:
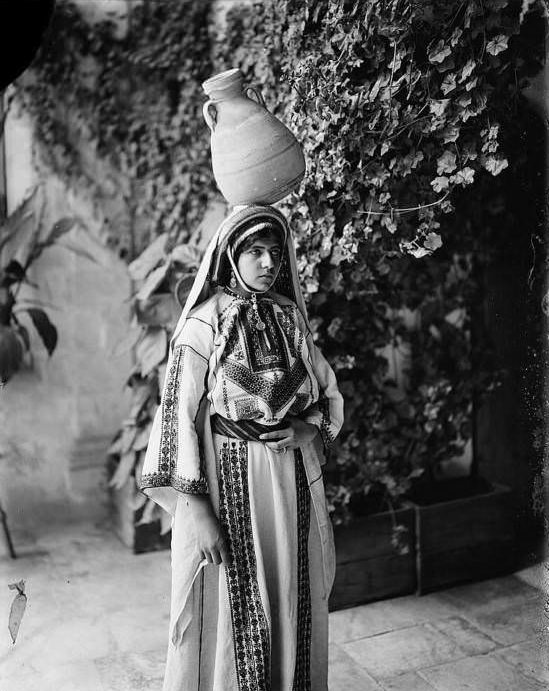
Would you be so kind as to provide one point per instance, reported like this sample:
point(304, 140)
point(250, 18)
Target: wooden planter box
point(465, 539)
point(450, 542)
point(368, 566)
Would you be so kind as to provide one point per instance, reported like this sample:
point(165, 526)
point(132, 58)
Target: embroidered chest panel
point(262, 351)
point(263, 363)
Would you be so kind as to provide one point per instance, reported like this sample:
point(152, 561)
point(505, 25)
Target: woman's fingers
point(277, 434)
point(216, 555)
point(281, 444)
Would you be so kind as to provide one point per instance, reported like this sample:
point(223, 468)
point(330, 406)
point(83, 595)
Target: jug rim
point(223, 80)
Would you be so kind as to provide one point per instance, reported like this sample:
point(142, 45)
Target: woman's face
point(259, 261)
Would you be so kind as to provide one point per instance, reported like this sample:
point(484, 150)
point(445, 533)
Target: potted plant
point(163, 278)
point(22, 241)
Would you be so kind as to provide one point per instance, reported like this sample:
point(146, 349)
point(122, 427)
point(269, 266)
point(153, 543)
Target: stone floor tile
point(89, 596)
point(481, 673)
point(407, 682)
point(405, 650)
point(531, 658)
point(344, 674)
point(74, 676)
point(467, 636)
point(387, 615)
point(89, 593)
point(55, 645)
point(132, 671)
point(139, 630)
point(490, 594)
point(510, 624)
point(36, 572)
point(537, 576)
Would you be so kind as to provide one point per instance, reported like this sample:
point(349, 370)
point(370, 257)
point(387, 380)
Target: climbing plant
point(126, 93)
point(401, 108)
point(404, 111)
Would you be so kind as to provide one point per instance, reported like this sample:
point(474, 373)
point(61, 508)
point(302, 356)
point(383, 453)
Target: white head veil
point(205, 283)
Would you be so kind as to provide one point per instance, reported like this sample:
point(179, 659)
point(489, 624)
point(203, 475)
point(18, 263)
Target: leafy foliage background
point(406, 112)
point(399, 106)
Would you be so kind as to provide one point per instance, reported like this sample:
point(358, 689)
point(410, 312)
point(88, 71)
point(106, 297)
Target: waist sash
point(247, 430)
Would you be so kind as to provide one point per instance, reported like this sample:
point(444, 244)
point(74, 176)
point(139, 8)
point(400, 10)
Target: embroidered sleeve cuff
point(181, 484)
point(316, 418)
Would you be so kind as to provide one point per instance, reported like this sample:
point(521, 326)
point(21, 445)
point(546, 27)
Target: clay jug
point(255, 158)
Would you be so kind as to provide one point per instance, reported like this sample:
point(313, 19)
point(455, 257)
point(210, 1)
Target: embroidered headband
point(287, 282)
point(257, 228)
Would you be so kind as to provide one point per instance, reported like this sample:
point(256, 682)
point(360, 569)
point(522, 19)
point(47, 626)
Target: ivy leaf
point(417, 252)
point(440, 183)
point(454, 38)
point(448, 83)
point(465, 176)
point(494, 164)
point(450, 134)
point(467, 69)
point(439, 53)
point(433, 241)
point(456, 317)
point(46, 330)
point(446, 163)
point(438, 107)
point(498, 44)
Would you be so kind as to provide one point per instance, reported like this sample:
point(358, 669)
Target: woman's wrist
point(309, 429)
point(200, 504)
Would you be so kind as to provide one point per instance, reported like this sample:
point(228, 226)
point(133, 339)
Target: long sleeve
point(174, 458)
point(327, 412)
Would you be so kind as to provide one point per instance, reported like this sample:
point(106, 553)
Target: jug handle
point(257, 94)
point(209, 116)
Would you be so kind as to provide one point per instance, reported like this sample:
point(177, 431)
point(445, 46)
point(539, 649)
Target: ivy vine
point(401, 109)
point(133, 100)
point(405, 112)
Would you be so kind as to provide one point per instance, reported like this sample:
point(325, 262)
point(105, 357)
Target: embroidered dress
point(258, 623)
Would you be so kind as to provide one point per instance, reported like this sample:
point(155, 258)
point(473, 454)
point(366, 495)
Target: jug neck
point(224, 85)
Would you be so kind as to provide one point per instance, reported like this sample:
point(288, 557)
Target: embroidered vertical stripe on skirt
point(260, 623)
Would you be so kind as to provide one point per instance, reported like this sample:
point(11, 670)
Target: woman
point(248, 406)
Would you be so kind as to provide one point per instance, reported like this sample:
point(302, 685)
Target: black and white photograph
point(274, 345)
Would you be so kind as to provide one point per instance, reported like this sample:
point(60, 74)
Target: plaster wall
point(58, 416)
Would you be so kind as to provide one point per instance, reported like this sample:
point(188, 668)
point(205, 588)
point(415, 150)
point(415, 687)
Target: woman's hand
point(210, 541)
point(297, 434)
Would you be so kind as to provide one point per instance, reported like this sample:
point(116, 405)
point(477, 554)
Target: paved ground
point(97, 619)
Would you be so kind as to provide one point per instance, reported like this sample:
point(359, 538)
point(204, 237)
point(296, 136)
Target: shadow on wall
point(58, 414)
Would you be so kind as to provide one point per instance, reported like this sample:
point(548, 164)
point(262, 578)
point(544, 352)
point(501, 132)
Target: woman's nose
point(267, 261)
